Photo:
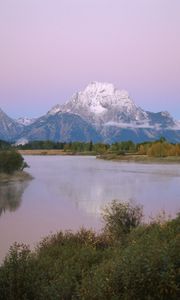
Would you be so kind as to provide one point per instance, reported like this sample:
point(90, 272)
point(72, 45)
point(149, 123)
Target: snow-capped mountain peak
point(99, 87)
point(102, 102)
point(105, 93)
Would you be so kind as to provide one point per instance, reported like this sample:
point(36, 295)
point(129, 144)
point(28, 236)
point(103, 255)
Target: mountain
point(25, 121)
point(100, 103)
point(99, 113)
point(116, 117)
point(103, 105)
point(9, 128)
point(63, 127)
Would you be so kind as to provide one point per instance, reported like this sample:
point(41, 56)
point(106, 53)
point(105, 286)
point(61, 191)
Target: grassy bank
point(139, 158)
point(53, 152)
point(42, 152)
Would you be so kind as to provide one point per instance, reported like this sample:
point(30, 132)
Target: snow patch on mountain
point(25, 121)
point(177, 125)
point(55, 109)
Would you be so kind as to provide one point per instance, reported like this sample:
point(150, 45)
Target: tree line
point(158, 148)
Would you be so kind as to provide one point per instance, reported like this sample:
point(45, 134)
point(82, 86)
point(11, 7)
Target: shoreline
point(136, 158)
point(54, 152)
point(139, 158)
point(18, 176)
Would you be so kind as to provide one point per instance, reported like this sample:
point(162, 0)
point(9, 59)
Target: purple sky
point(51, 48)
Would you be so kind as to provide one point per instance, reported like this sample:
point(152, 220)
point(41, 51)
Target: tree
point(91, 146)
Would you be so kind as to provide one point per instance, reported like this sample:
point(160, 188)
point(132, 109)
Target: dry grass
point(140, 158)
point(54, 152)
point(43, 152)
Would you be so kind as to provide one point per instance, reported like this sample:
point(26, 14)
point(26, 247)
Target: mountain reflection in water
point(11, 195)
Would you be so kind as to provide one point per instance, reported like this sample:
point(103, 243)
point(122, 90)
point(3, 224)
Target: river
point(69, 192)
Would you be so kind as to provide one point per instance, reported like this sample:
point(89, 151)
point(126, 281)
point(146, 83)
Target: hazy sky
point(51, 48)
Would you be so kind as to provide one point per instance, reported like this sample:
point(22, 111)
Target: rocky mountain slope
point(63, 127)
point(9, 128)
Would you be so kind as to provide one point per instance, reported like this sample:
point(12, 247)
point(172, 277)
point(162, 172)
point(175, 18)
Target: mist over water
point(69, 192)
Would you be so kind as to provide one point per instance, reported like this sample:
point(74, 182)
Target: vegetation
point(11, 161)
point(145, 264)
point(120, 218)
point(159, 148)
point(72, 147)
point(4, 145)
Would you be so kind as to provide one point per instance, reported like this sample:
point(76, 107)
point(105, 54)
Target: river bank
point(18, 176)
point(54, 152)
point(139, 158)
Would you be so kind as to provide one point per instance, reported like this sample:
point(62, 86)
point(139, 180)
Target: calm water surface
point(69, 192)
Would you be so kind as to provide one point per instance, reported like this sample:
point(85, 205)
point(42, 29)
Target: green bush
point(85, 265)
point(4, 145)
point(147, 268)
point(10, 161)
point(56, 269)
point(120, 218)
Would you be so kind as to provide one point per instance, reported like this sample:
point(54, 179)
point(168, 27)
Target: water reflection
point(69, 192)
point(87, 185)
point(11, 195)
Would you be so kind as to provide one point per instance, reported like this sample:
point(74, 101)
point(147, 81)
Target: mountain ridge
point(100, 112)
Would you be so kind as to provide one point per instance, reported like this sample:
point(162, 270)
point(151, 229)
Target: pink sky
point(51, 48)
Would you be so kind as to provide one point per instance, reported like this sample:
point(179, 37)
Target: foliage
point(41, 145)
point(73, 147)
point(147, 268)
point(160, 148)
point(10, 161)
point(85, 265)
point(120, 218)
point(55, 271)
point(4, 145)
point(123, 147)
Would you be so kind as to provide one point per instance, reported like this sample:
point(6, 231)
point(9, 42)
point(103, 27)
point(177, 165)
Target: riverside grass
point(139, 158)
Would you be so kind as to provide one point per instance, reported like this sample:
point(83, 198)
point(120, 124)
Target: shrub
point(83, 265)
point(147, 268)
point(120, 218)
point(11, 161)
